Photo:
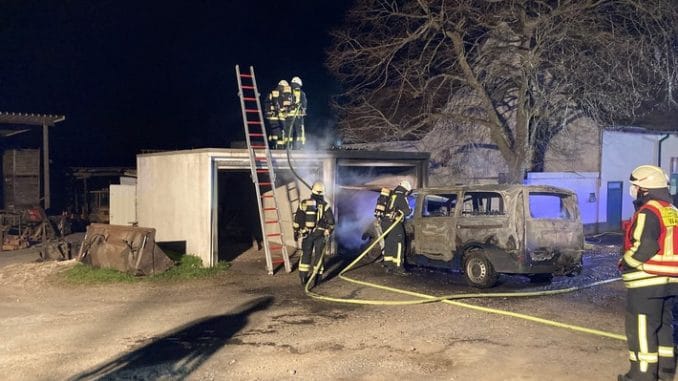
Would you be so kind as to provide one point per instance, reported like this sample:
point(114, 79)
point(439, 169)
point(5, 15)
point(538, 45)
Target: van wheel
point(541, 278)
point(478, 270)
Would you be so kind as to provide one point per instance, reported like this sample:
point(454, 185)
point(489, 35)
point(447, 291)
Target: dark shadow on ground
point(178, 353)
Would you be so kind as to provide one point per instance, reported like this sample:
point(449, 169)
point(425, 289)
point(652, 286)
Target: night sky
point(133, 75)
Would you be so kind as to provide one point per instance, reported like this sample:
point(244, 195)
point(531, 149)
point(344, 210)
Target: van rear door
point(552, 224)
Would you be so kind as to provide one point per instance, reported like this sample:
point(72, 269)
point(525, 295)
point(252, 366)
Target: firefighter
point(650, 272)
point(379, 212)
point(274, 126)
point(314, 222)
point(297, 137)
point(284, 108)
point(394, 242)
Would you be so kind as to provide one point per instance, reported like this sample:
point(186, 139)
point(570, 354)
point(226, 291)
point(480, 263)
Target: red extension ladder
point(261, 164)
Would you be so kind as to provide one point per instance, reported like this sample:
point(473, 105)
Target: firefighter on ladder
point(277, 107)
point(274, 127)
point(297, 137)
point(650, 272)
point(313, 222)
point(394, 242)
point(284, 108)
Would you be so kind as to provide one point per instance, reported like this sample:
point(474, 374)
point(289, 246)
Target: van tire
point(478, 270)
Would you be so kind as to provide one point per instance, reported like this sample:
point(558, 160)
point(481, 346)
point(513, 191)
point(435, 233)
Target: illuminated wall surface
point(582, 183)
point(599, 195)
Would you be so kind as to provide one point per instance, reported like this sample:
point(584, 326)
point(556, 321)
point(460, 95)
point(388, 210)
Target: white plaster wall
point(582, 183)
point(174, 197)
point(621, 153)
point(123, 204)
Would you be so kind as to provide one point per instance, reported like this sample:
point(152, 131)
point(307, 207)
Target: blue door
point(614, 204)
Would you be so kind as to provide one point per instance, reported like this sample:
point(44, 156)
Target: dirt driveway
point(246, 325)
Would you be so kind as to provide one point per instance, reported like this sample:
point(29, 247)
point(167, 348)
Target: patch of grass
point(85, 274)
point(188, 267)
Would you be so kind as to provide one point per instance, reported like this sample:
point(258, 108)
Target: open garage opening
point(357, 191)
point(238, 214)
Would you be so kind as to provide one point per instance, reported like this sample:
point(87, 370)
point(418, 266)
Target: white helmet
point(649, 177)
point(406, 184)
point(318, 188)
point(283, 83)
point(297, 80)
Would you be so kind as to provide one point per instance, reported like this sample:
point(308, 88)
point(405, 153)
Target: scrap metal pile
point(24, 228)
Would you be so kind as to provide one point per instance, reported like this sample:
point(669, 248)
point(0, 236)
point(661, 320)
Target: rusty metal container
point(129, 249)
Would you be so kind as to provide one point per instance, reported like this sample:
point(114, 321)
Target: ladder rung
point(256, 134)
point(246, 75)
point(267, 196)
point(264, 183)
point(256, 146)
point(275, 247)
point(273, 234)
point(248, 87)
point(251, 110)
point(262, 170)
point(253, 122)
point(270, 208)
point(278, 261)
point(271, 221)
point(249, 98)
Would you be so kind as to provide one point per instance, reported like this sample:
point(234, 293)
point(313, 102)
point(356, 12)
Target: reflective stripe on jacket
point(665, 260)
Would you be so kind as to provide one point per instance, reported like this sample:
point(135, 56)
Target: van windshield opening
point(554, 206)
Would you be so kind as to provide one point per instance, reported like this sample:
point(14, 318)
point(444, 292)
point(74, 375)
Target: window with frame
point(482, 204)
point(439, 205)
point(544, 205)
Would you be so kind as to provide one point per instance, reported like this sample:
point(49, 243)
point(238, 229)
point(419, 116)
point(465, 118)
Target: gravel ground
point(246, 325)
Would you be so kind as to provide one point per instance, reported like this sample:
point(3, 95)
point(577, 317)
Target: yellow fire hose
point(451, 299)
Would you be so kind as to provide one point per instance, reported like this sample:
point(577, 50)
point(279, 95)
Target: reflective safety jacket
point(284, 101)
point(651, 246)
point(397, 203)
point(313, 214)
point(299, 102)
point(271, 105)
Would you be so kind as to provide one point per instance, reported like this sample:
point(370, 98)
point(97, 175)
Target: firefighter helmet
point(283, 83)
point(318, 188)
point(406, 184)
point(297, 80)
point(649, 177)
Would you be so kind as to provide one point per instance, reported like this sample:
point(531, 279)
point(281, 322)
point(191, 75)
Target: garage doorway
point(238, 223)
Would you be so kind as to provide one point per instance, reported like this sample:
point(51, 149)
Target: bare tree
point(520, 70)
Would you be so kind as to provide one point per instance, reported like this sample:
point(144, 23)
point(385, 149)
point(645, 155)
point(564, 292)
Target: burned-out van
point(490, 229)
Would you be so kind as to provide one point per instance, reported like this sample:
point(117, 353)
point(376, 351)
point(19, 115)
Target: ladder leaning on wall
point(261, 165)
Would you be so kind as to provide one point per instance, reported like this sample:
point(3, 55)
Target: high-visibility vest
point(665, 261)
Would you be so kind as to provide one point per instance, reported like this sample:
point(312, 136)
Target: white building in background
point(623, 150)
point(603, 196)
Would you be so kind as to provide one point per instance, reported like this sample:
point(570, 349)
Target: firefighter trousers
point(312, 247)
point(649, 334)
point(275, 134)
point(394, 244)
